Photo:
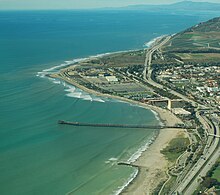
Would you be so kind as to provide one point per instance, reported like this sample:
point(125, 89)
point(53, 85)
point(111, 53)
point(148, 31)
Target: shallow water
point(38, 156)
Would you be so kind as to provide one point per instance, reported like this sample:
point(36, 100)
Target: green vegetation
point(199, 57)
point(212, 179)
point(209, 182)
point(175, 148)
point(123, 59)
point(169, 185)
point(198, 44)
point(216, 174)
point(215, 171)
point(157, 189)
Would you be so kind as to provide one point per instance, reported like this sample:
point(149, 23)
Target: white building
point(111, 79)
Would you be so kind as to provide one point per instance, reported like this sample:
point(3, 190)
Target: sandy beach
point(153, 165)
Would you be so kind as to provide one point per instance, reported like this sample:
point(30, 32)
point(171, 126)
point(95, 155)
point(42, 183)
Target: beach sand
point(153, 165)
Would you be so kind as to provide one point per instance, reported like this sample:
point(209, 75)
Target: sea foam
point(80, 94)
point(132, 159)
point(131, 178)
point(157, 117)
point(75, 92)
point(142, 149)
point(67, 63)
point(151, 42)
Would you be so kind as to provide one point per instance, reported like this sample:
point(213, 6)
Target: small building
point(180, 111)
point(111, 79)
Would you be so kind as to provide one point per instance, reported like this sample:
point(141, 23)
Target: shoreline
point(72, 62)
point(152, 163)
point(68, 63)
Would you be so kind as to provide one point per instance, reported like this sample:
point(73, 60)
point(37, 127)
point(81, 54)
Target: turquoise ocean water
point(38, 156)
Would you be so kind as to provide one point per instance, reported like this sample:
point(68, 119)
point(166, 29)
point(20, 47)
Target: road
point(190, 181)
point(203, 165)
point(148, 59)
point(147, 73)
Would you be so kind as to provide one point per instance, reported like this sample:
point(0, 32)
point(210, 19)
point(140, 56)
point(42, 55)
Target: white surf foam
point(157, 117)
point(56, 68)
point(87, 97)
point(67, 63)
point(72, 90)
point(80, 94)
point(41, 74)
point(98, 99)
point(142, 149)
point(56, 81)
point(132, 159)
point(72, 62)
point(72, 93)
point(110, 53)
point(151, 42)
point(112, 160)
point(131, 178)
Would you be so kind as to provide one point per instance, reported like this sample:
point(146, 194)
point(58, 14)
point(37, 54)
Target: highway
point(148, 59)
point(188, 182)
point(203, 165)
point(147, 73)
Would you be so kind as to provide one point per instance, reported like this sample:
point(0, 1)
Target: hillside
point(180, 6)
point(202, 37)
point(198, 44)
point(212, 25)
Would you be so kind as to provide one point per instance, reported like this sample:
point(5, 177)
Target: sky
point(80, 4)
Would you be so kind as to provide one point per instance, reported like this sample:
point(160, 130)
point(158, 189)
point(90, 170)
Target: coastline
point(68, 63)
point(152, 163)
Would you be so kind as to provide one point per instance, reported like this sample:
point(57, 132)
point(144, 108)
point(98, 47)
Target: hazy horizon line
point(100, 8)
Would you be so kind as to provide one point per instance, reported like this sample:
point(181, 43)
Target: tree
point(209, 182)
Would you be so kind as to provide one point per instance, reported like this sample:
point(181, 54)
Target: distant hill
point(200, 43)
point(212, 25)
point(203, 36)
point(181, 6)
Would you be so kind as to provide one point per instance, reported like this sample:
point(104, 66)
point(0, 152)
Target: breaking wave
point(151, 42)
point(142, 149)
point(131, 178)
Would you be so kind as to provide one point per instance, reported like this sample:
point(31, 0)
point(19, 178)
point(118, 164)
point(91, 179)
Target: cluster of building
point(199, 82)
point(97, 75)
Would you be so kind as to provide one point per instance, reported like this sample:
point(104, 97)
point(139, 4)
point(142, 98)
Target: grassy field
point(199, 56)
point(194, 40)
point(169, 185)
point(197, 45)
point(216, 174)
point(216, 171)
point(175, 148)
point(124, 59)
point(202, 36)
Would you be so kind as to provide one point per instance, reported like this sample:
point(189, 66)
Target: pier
point(178, 126)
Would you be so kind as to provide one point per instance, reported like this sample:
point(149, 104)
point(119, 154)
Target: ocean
point(39, 156)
